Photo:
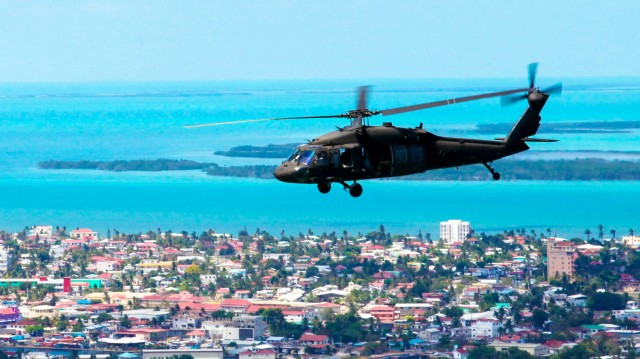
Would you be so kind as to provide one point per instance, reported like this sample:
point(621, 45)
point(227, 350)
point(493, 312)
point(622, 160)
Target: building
point(209, 353)
point(83, 233)
point(7, 260)
point(534, 349)
point(243, 327)
point(560, 258)
point(43, 231)
point(258, 354)
point(383, 313)
point(631, 241)
point(454, 230)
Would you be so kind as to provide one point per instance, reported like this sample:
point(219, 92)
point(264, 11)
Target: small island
point(268, 151)
point(586, 169)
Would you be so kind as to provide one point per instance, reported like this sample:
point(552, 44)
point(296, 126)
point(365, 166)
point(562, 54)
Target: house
point(431, 335)
point(186, 320)
point(242, 294)
point(238, 306)
point(83, 233)
point(534, 349)
point(197, 336)
point(461, 353)
point(578, 300)
point(313, 339)
point(20, 326)
point(258, 354)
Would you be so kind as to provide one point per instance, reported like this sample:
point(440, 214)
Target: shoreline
point(535, 169)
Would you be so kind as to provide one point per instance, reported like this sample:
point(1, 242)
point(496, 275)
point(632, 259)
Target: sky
point(184, 40)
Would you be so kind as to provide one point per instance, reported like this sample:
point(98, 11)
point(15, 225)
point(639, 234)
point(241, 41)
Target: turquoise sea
point(107, 121)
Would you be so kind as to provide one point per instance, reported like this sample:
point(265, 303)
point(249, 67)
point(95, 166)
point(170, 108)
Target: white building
point(454, 230)
point(244, 327)
point(485, 328)
point(631, 241)
point(45, 231)
point(6, 260)
point(480, 325)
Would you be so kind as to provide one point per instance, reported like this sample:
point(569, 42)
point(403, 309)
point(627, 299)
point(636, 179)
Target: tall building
point(560, 257)
point(454, 230)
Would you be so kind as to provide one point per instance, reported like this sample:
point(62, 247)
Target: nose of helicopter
point(291, 174)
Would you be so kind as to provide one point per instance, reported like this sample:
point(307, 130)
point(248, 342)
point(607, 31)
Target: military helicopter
point(360, 151)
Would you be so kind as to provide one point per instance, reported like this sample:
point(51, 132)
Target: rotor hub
point(360, 113)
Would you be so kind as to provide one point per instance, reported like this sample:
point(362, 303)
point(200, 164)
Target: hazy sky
point(65, 40)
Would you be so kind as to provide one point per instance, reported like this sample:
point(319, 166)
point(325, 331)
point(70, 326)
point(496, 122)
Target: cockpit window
point(295, 156)
point(306, 157)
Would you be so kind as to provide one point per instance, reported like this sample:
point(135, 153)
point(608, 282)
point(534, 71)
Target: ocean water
point(108, 121)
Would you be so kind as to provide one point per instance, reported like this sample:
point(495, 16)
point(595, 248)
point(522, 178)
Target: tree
point(482, 352)
point(606, 301)
point(125, 322)
point(103, 317)
point(34, 330)
point(539, 317)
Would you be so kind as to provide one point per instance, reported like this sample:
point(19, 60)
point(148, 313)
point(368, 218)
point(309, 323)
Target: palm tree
point(613, 233)
point(631, 232)
point(600, 231)
point(587, 232)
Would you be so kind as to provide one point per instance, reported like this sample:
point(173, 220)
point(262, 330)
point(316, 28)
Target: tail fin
point(529, 122)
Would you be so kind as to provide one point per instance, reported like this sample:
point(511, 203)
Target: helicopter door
point(400, 159)
point(378, 159)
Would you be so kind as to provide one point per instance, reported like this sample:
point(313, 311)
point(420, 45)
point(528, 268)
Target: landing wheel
point(496, 175)
point(324, 187)
point(355, 190)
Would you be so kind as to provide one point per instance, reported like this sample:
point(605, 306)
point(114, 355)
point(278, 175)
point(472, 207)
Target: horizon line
point(112, 81)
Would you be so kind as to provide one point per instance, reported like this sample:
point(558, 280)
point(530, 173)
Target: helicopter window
point(322, 158)
point(400, 154)
point(416, 153)
point(295, 156)
point(345, 157)
point(305, 157)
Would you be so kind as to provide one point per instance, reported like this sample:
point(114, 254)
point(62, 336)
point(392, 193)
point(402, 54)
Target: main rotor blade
point(553, 89)
point(363, 92)
point(395, 111)
point(510, 100)
point(260, 120)
point(533, 70)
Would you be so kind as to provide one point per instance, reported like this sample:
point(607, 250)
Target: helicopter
point(360, 151)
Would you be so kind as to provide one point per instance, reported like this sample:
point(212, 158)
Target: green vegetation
point(587, 169)
point(162, 164)
point(566, 127)
point(268, 151)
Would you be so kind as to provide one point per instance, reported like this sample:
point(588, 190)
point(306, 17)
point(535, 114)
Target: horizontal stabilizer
point(527, 139)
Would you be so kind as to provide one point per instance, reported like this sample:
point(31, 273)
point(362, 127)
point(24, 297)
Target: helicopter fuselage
point(368, 152)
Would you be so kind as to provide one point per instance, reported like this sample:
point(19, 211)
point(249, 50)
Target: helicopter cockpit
point(313, 156)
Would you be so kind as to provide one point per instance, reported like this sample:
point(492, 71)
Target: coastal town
point(255, 295)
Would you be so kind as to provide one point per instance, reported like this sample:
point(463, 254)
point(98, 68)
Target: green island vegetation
point(162, 164)
point(585, 169)
point(566, 127)
point(268, 151)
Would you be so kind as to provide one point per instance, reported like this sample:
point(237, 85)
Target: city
point(327, 295)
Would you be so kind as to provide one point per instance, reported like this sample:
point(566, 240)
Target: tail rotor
point(555, 89)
